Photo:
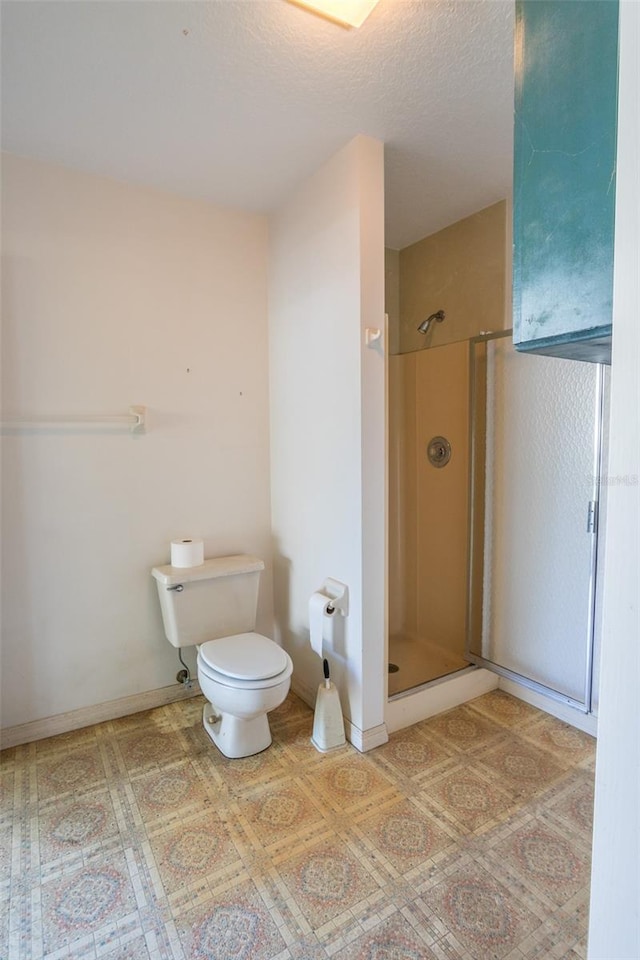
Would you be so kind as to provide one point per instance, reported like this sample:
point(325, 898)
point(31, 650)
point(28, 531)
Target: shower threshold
point(418, 688)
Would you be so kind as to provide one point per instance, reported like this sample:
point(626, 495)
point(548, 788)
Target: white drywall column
point(327, 423)
point(615, 886)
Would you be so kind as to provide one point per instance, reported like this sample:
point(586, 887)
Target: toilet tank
point(218, 598)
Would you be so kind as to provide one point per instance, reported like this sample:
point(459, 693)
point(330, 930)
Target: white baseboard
point(86, 716)
point(364, 740)
point(400, 713)
point(438, 697)
point(582, 721)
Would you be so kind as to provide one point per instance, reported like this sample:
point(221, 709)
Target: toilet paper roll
point(187, 553)
point(318, 603)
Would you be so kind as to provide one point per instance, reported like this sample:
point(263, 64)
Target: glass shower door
point(534, 466)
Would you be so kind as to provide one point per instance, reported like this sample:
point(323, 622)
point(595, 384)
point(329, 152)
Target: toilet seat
point(247, 661)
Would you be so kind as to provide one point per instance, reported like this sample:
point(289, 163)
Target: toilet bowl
point(243, 677)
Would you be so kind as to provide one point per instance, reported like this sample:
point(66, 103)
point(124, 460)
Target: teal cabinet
point(564, 176)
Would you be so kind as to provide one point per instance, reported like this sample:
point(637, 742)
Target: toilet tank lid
point(216, 567)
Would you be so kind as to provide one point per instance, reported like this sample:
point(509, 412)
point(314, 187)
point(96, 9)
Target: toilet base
point(235, 737)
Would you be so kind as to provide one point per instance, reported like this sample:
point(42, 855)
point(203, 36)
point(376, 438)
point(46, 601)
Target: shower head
point(425, 326)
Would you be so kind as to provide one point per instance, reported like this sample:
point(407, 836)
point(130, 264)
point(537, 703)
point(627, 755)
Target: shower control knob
point(439, 451)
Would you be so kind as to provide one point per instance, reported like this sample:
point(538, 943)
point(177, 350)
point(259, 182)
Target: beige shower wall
point(429, 505)
point(441, 496)
point(392, 297)
point(402, 538)
point(461, 270)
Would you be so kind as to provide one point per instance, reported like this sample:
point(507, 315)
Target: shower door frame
point(585, 706)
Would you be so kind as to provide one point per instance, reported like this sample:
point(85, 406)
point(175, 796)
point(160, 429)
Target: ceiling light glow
point(348, 13)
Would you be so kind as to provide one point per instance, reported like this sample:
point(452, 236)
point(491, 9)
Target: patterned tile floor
point(466, 837)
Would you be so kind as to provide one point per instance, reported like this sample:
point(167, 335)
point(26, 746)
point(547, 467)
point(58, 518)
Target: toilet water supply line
point(183, 676)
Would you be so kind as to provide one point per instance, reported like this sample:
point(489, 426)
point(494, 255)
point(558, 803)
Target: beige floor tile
point(567, 745)
point(128, 949)
point(404, 834)
point(504, 709)
point(350, 783)
point(197, 847)
point(236, 924)
point(548, 863)
point(411, 753)
point(297, 751)
point(241, 776)
point(65, 772)
point(172, 792)
point(466, 837)
point(277, 817)
point(393, 939)
point(66, 742)
point(520, 768)
point(292, 711)
point(463, 730)
point(145, 749)
point(8, 776)
point(326, 881)
point(79, 822)
point(481, 913)
point(86, 901)
point(468, 798)
point(572, 803)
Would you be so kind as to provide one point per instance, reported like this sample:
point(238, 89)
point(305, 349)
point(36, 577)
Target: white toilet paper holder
point(338, 593)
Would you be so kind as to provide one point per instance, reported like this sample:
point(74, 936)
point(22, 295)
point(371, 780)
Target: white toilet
point(242, 674)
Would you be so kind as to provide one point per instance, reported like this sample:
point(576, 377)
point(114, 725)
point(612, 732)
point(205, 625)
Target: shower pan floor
point(418, 661)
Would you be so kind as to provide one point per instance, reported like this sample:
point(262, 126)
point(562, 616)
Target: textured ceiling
point(237, 101)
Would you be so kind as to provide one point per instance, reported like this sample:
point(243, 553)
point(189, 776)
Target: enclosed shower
point(428, 513)
point(439, 292)
point(494, 507)
point(495, 500)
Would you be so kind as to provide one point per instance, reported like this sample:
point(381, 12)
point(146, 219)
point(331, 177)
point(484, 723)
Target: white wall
point(115, 295)
point(327, 424)
point(615, 887)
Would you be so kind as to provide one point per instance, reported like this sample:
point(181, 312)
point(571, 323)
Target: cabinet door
point(564, 176)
